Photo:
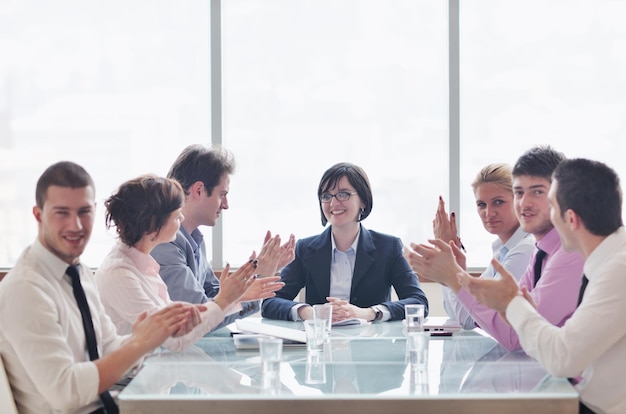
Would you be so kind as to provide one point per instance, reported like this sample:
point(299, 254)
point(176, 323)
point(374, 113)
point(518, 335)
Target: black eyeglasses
point(340, 196)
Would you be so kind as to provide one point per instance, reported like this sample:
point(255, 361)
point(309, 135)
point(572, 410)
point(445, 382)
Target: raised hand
point(288, 252)
point(444, 225)
point(496, 294)
point(268, 258)
point(233, 286)
point(262, 288)
point(435, 262)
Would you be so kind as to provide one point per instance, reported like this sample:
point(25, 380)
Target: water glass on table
point(414, 315)
point(417, 349)
point(324, 312)
point(271, 350)
point(315, 335)
point(315, 369)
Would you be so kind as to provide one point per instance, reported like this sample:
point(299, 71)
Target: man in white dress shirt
point(586, 209)
point(42, 337)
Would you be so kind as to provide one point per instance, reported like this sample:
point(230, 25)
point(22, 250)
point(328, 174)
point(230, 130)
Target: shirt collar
point(144, 262)
point(500, 249)
point(550, 242)
point(517, 237)
point(354, 245)
point(195, 238)
point(49, 261)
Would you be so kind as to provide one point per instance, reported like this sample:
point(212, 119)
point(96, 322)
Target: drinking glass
point(315, 369)
point(315, 331)
point(324, 312)
point(414, 315)
point(271, 352)
point(417, 348)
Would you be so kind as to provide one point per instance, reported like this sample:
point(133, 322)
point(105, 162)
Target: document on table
point(251, 341)
point(350, 322)
point(250, 325)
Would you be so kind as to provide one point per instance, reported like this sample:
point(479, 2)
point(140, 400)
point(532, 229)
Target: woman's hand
point(273, 256)
point(194, 318)
point(233, 286)
point(288, 252)
point(444, 226)
point(342, 309)
point(151, 331)
point(267, 260)
point(262, 288)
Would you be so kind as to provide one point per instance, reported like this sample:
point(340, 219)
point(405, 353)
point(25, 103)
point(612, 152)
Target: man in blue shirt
point(204, 174)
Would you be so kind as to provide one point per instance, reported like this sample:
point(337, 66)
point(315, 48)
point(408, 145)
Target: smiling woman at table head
point(146, 211)
point(347, 265)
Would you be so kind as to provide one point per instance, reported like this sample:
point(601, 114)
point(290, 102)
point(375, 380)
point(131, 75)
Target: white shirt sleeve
point(125, 295)
point(36, 328)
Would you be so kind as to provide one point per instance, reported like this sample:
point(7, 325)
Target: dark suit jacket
point(379, 265)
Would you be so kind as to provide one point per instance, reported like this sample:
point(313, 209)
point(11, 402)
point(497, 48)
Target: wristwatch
point(378, 313)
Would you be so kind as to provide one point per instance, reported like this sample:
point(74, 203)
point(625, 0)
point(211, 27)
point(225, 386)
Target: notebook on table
point(249, 325)
point(251, 341)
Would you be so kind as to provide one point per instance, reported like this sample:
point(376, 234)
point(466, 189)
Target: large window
point(539, 72)
point(307, 84)
point(121, 87)
point(117, 86)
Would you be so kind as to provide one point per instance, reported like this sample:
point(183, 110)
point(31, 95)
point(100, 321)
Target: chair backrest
point(7, 402)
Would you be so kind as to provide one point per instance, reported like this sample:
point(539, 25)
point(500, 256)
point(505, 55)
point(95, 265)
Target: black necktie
point(90, 334)
point(583, 286)
point(538, 264)
point(574, 381)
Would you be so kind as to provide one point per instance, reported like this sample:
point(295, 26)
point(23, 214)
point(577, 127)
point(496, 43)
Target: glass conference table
point(364, 369)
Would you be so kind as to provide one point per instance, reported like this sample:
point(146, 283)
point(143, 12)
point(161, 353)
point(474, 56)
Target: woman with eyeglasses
point(347, 265)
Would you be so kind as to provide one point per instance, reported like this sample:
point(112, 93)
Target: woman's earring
point(361, 214)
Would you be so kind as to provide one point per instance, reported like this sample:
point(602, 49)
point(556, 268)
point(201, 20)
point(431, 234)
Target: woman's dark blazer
point(379, 266)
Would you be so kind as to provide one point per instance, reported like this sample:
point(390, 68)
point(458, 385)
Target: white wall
point(435, 299)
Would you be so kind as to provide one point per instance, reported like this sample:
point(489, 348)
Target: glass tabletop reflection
point(370, 361)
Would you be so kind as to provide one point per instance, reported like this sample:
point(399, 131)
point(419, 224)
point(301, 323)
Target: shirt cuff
point(517, 311)
point(385, 310)
point(294, 311)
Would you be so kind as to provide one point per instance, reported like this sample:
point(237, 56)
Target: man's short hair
point(199, 163)
point(539, 161)
point(62, 174)
point(592, 190)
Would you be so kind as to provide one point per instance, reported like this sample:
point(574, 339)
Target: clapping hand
point(496, 294)
point(273, 256)
point(444, 225)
